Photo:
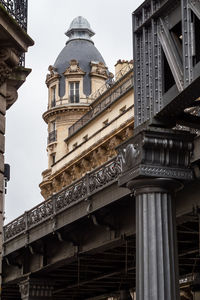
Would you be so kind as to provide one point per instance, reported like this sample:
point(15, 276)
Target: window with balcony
point(53, 96)
point(74, 96)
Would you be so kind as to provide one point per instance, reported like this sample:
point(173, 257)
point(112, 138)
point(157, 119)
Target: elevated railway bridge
point(81, 242)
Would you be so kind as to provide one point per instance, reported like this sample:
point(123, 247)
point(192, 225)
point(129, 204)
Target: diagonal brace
point(172, 54)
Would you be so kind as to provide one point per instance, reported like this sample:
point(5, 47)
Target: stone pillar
point(155, 164)
point(156, 268)
point(36, 289)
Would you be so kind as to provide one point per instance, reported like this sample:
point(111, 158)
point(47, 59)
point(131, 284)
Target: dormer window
point(74, 96)
point(53, 96)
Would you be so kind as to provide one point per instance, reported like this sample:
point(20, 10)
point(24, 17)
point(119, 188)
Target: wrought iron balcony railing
point(80, 190)
point(18, 10)
point(52, 137)
point(118, 92)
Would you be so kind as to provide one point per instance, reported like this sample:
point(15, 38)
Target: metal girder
point(171, 53)
point(195, 6)
point(166, 57)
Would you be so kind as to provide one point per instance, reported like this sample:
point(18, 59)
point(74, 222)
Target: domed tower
point(77, 73)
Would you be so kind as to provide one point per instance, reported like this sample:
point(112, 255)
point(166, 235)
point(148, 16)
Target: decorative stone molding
point(46, 189)
point(9, 59)
point(36, 289)
point(112, 144)
point(87, 162)
point(11, 95)
point(5, 72)
point(85, 166)
point(52, 76)
point(73, 68)
point(98, 69)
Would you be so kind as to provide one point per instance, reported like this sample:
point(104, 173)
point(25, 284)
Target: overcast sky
point(26, 132)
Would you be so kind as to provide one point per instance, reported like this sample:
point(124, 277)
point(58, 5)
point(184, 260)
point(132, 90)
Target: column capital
point(156, 153)
point(36, 289)
point(153, 185)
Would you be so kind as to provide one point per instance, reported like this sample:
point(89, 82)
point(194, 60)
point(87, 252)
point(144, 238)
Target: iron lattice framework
point(167, 58)
point(18, 10)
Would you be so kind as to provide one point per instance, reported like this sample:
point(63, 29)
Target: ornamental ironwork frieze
point(80, 190)
point(18, 10)
point(157, 153)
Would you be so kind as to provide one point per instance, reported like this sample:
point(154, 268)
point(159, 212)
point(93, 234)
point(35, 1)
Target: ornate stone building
point(14, 42)
point(90, 111)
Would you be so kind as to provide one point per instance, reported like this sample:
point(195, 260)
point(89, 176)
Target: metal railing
point(101, 106)
point(106, 86)
point(80, 190)
point(18, 10)
point(52, 137)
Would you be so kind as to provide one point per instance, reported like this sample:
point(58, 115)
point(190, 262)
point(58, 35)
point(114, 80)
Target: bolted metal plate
point(166, 58)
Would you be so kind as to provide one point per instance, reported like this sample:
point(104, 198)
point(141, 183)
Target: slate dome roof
point(80, 47)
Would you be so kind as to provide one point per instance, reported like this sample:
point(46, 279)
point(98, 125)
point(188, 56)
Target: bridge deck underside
point(109, 271)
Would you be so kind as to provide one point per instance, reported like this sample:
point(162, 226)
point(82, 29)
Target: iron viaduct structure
point(116, 230)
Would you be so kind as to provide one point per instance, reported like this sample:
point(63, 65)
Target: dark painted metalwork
point(36, 289)
point(97, 109)
point(18, 10)
point(157, 267)
point(166, 56)
point(157, 153)
point(52, 137)
point(82, 189)
point(154, 162)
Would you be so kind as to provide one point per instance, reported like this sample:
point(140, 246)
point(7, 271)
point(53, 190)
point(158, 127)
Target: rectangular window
point(74, 92)
point(53, 96)
point(75, 145)
point(53, 158)
point(53, 126)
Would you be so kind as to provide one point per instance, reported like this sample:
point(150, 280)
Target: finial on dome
point(80, 29)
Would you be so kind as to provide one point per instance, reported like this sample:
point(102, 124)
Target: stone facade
point(95, 142)
point(13, 43)
point(83, 132)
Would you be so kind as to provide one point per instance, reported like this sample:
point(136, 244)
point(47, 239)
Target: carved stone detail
point(73, 68)
point(113, 143)
point(5, 72)
point(12, 95)
point(85, 166)
point(52, 76)
point(99, 69)
point(8, 60)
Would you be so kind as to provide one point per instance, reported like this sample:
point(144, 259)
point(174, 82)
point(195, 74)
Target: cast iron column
point(36, 289)
point(155, 162)
point(156, 269)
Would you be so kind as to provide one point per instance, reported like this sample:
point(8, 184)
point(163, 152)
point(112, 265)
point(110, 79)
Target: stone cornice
point(13, 34)
point(94, 156)
point(63, 108)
